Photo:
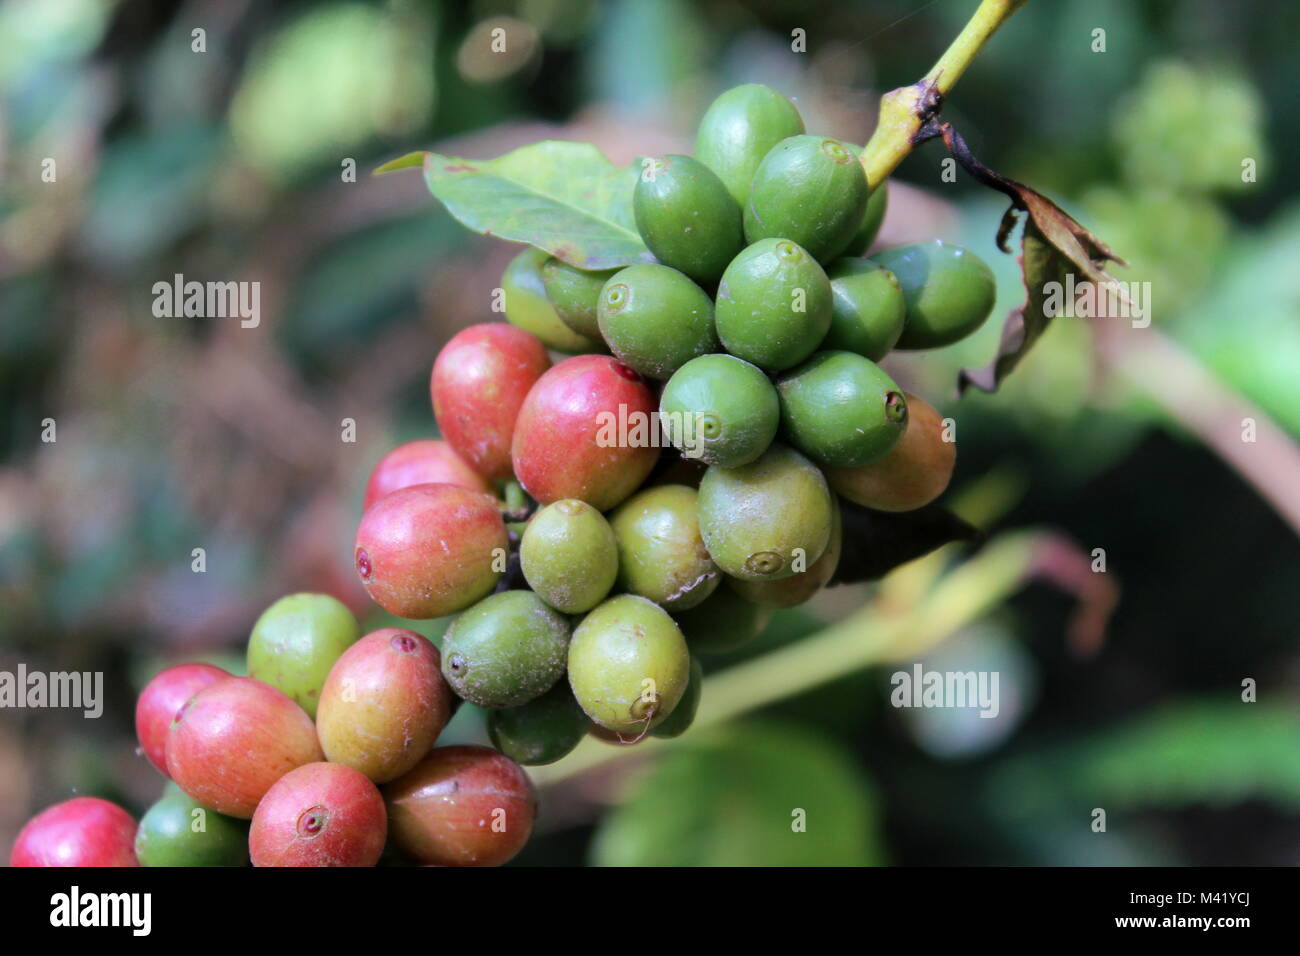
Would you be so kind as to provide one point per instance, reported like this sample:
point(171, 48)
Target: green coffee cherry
point(774, 305)
point(569, 556)
point(811, 190)
point(628, 664)
point(177, 831)
point(540, 731)
point(739, 128)
point(761, 521)
point(505, 650)
point(687, 218)
point(574, 294)
point(725, 622)
point(720, 410)
point(528, 307)
point(683, 715)
point(839, 408)
point(655, 319)
point(877, 203)
point(295, 643)
point(949, 292)
point(867, 308)
point(661, 555)
point(800, 587)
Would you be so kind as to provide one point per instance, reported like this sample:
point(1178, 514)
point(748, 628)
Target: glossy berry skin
point(322, 814)
point(574, 294)
point(384, 704)
point(683, 715)
point(949, 292)
point(567, 439)
point(569, 555)
point(295, 643)
point(801, 586)
point(867, 308)
point(725, 622)
point(739, 128)
point(178, 831)
point(430, 550)
point(235, 739)
point(811, 190)
point(774, 305)
point(462, 806)
point(839, 408)
point(478, 384)
point(628, 664)
point(911, 474)
point(759, 520)
point(425, 462)
point(506, 650)
point(528, 307)
point(656, 319)
point(83, 831)
point(877, 204)
point(540, 731)
point(660, 553)
point(687, 218)
point(162, 699)
point(722, 410)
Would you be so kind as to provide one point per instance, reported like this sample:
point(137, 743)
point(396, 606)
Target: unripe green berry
point(506, 650)
point(569, 556)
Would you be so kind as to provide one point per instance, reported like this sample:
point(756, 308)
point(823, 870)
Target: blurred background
point(176, 434)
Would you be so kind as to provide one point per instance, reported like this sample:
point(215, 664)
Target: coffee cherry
point(384, 704)
point(628, 664)
point(567, 439)
point(725, 622)
point(660, 553)
point(83, 831)
point(462, 806)
point(569, 556)
point(506, 650)
point(739, 129)
point(801, 586)
point(841, 409)
point(575, 293)
point(295, 643)
point(528, 307)
point(877, 203)
point(540, 731)
point(759, 519)
point(426, 462)
point(867, 308)
point(911, 474)
point(178, 831)
point(656, 319)
point(683, 715)
point(322, 814)
point(162, 699)
point(430, 550)
point(233, 740)
point(721, 409)
point(949, 292)
point(687, 217)
point(607, 736)
point(479, 382)
point(774, 305)
point(811, 190)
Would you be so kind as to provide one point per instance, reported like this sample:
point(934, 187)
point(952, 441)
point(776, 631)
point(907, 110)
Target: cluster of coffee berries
point(594, 521)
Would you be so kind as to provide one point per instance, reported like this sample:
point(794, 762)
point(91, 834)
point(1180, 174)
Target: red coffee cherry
point(478, 384)
point(424, 462)
point(321, 814)
point(584, 432)
point(162, 699)
point(84, 831)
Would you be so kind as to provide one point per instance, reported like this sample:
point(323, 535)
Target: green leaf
point(565, 198)
point(731, 798)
